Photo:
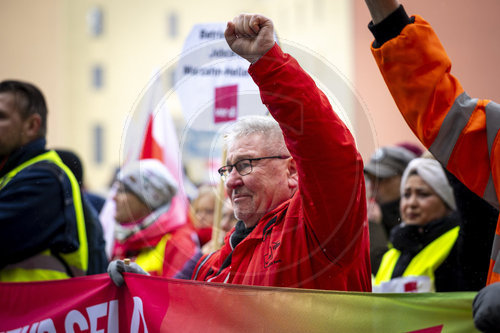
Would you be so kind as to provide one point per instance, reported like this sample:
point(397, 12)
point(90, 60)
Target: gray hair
point(261, 125)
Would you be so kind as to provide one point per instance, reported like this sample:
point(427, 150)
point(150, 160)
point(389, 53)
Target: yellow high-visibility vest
point(45, 266)
point(151, 260)
point(424, 263)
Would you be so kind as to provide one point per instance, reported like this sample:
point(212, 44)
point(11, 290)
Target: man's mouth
point(239, 196)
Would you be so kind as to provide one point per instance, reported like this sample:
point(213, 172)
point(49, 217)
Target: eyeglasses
point(244, 167)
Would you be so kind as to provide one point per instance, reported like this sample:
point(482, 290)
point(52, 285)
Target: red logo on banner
point(226, 104)
point(435, 329)
point(411, 287)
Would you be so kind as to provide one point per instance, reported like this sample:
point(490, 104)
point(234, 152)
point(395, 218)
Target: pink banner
point(152, 304)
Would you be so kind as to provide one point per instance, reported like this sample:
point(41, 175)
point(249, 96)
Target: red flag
point(160, 142)
point(153, 123)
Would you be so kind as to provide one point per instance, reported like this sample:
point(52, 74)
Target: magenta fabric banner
point(151, 304)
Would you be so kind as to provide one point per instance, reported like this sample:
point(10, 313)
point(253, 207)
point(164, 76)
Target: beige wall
point(468, 31)
point(32, 49)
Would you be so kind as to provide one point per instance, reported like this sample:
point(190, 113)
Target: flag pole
point(219, 201)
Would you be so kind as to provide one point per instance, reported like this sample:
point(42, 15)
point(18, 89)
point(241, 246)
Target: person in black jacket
point(92, 205)
point(383, 173)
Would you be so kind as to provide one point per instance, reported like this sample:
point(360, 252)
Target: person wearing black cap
point(383, 173)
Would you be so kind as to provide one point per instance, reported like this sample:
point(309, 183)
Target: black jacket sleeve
point(390, 27)
point(476, 235)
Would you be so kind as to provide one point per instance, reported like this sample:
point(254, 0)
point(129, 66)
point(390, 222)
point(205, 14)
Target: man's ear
point(293, 176)
point(31, 127)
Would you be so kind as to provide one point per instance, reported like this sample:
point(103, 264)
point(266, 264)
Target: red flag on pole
point(160, 142)
point(151, 133)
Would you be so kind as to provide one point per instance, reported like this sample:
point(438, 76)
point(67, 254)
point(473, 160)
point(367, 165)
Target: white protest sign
point(212, 82)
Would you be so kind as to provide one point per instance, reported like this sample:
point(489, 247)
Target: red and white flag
point(160, 142)
point(150, 133)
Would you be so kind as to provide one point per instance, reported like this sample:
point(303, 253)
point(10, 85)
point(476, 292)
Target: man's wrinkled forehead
point(246, 146)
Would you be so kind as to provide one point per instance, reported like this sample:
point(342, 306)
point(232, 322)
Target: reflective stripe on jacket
point(424, 263)
point(47, 265)
point(461, 132)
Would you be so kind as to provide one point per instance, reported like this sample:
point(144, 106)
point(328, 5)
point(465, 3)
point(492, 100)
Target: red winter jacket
point(319, 238)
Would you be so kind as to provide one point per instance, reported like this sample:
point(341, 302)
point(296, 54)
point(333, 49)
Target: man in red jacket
point(296, 182)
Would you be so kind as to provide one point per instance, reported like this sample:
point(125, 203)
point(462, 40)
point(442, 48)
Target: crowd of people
point(302, 209)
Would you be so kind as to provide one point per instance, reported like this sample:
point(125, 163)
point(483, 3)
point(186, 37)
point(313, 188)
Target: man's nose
point(233, 179)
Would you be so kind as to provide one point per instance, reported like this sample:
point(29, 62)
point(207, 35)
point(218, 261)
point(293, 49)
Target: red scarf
point(146, 238)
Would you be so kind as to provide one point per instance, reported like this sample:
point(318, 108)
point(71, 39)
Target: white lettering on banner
point(137, 316)
point(75, 319)
point(226, 113)
point(44, 326)
point(113, 317)
point(94, 312)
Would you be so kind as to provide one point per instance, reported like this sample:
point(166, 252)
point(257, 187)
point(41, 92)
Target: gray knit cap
point(150, 181)
point(433, 174)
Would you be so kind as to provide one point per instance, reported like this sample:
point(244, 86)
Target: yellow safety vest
point(424, 263)
point(151, 260)
point(45, 266)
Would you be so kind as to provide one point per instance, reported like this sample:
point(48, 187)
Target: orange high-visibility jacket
point(461, 132)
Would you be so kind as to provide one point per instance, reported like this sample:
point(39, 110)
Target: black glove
point(486, 309)
point(117, 267)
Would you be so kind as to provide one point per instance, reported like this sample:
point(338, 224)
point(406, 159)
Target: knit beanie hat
point(150, 181)
point(433, 174)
